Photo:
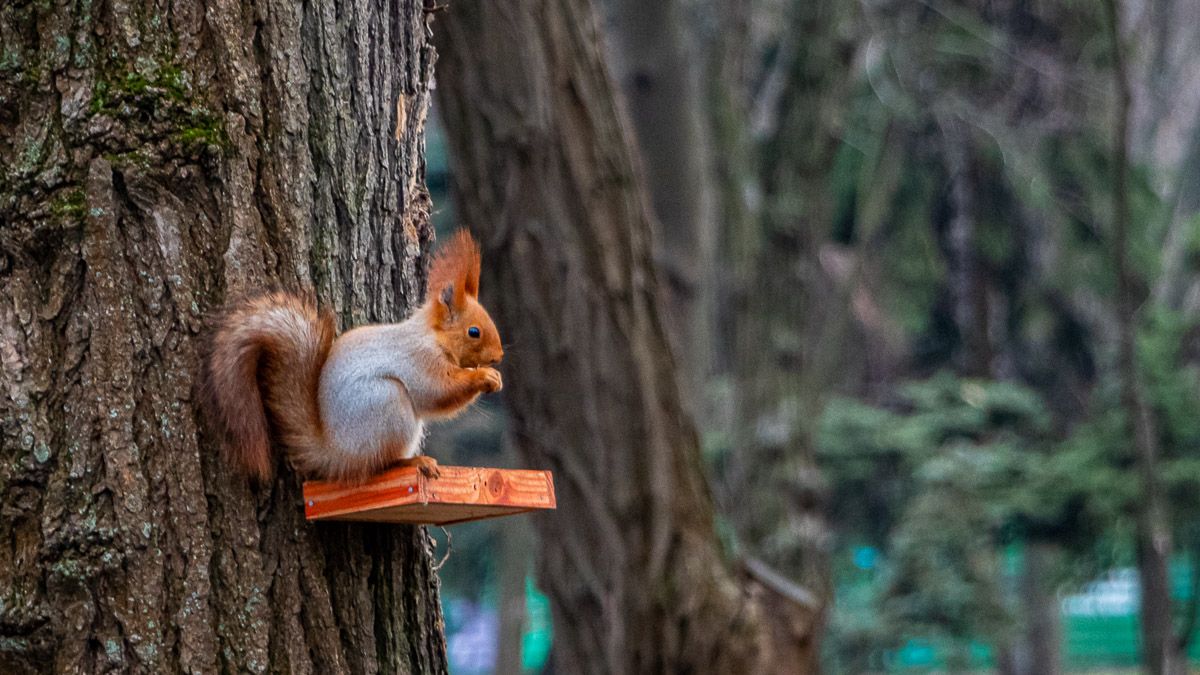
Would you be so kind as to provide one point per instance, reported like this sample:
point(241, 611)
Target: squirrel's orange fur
point(344, 409)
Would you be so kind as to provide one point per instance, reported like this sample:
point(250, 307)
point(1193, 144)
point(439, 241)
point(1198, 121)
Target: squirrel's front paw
point(492, 380)
point(427, 465)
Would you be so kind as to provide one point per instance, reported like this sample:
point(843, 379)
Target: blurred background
point(929, 271)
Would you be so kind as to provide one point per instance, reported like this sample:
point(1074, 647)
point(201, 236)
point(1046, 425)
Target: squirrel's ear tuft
point(456, 264)
point(471, 280)
point(451, 296)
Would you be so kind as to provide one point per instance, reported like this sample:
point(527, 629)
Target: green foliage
point(1096, 458)
point(932, 420)
point(943, 576)
point(930, 482)
point(949, 472)
point(1172, 382)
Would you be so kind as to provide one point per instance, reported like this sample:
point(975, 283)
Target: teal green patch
point(535, 644)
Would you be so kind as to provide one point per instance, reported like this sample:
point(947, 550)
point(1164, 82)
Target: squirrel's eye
point(473, 331)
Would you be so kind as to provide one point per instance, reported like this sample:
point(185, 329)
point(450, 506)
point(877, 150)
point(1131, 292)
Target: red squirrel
point(346, 408)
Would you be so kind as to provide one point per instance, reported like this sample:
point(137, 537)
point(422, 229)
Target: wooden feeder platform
point(404, 495)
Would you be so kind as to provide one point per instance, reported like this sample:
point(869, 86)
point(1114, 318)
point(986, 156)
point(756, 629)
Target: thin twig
point(449, 549)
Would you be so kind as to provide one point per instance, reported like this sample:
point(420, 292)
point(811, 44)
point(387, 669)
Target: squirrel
point(346, 408)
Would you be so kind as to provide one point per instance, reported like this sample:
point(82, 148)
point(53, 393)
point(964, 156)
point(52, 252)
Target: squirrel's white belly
point(365, 404)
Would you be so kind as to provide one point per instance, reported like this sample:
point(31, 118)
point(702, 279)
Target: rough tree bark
point(157, 160)
point(544, 172)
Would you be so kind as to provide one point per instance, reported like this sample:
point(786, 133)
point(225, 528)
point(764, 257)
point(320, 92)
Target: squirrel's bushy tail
point(265, 357)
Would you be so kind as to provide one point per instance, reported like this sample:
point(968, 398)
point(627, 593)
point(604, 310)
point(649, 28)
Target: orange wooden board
point(459, 494)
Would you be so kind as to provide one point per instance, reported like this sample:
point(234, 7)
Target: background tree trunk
point(544, 172)
point(659, 77)
point(791, 313)
point(515, 557)
point(1043, 637)
point(1160, 647)
point(157, 161)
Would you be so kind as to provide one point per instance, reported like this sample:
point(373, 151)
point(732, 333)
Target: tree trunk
point(659, 78)
point(1176, 287)
point(1160, 648)
point(157, 161)
point(791, 317)
point(514, 562)
point(1042, 640)
point(968, 287)
point(543, 170)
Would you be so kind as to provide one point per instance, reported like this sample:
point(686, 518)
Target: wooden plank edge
point(412, 490)
point(518, 512)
